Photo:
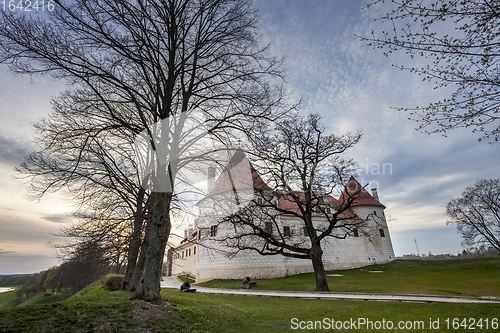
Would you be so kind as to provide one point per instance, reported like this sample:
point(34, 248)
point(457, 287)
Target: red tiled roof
point(362, 197)
point(289, 204)
point(235, 176)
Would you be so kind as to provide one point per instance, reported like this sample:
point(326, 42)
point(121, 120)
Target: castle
point(200, 255)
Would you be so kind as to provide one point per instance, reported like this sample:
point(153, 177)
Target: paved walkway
point(175, 283)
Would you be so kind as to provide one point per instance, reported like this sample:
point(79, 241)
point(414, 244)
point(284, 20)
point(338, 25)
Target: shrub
point(113, 281)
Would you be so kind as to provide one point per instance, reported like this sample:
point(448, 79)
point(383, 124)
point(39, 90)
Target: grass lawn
point(95, 309)
point(40, 298)
point(8, 299)
point(462, 277)
point(183, 278)
point(265, 314)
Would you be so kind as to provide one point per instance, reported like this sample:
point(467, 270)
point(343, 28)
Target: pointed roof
point(236, 176)
point(286, 202)
point(362, 197)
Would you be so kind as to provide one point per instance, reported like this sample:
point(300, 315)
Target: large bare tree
point(89, 156)
point(302, 165)
point(462, 43)
point(158, 60)
point(477, 214)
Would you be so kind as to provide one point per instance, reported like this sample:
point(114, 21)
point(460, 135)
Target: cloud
point(17, 263)
point(61, 218)
point(12, 151)
point(355, 88)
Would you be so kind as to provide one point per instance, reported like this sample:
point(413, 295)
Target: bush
point(113, 282)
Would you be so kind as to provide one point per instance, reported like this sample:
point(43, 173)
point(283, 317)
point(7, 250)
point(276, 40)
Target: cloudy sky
point(352, 85)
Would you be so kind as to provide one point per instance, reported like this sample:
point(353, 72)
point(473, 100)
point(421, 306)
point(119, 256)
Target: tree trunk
point(135, 242)
point(139, 268)
point(159, 230)
point(319, 268)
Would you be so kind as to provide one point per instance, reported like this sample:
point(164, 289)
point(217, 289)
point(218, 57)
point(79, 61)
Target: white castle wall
point(212, 261)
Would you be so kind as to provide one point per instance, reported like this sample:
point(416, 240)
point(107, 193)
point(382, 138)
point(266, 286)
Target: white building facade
point(366, 245)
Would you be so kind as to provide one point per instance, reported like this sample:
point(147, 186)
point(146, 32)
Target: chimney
point(320, 193)
point(375, 194)
point(185, 233)
point(190, 231)
point(211, 180)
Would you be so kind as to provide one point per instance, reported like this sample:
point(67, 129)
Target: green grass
point(96, 309)
point(8, 299)
point(40, 298)
point(464, 277)
point(266, 314)
point(183, 278)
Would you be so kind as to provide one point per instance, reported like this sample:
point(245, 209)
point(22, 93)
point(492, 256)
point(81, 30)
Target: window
point(328, 210)
point(382, 234)
point(286, 231)
point(317, 209)
point(189, 252)
point(375, 212)
point(304, 231)
point(213, 231)
point(269, 227)
point(183, 254)
point(194, 250)
point(259, 201)
point(356, 232)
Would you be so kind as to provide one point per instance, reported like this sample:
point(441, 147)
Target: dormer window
point(328, 210)
point(259, 201)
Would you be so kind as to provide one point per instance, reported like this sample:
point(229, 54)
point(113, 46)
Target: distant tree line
point(18, 279)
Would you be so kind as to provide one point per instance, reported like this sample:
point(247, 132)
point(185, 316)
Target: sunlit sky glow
point(352, 85)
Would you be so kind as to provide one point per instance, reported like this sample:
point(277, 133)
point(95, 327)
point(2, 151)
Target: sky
point(353, 86)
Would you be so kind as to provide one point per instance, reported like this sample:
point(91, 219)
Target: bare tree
point(90, 156)
point(462, 41)
point(85, 264)
point(477, 214)
point(158, 60)
point(303, 165)
point(113, 237)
